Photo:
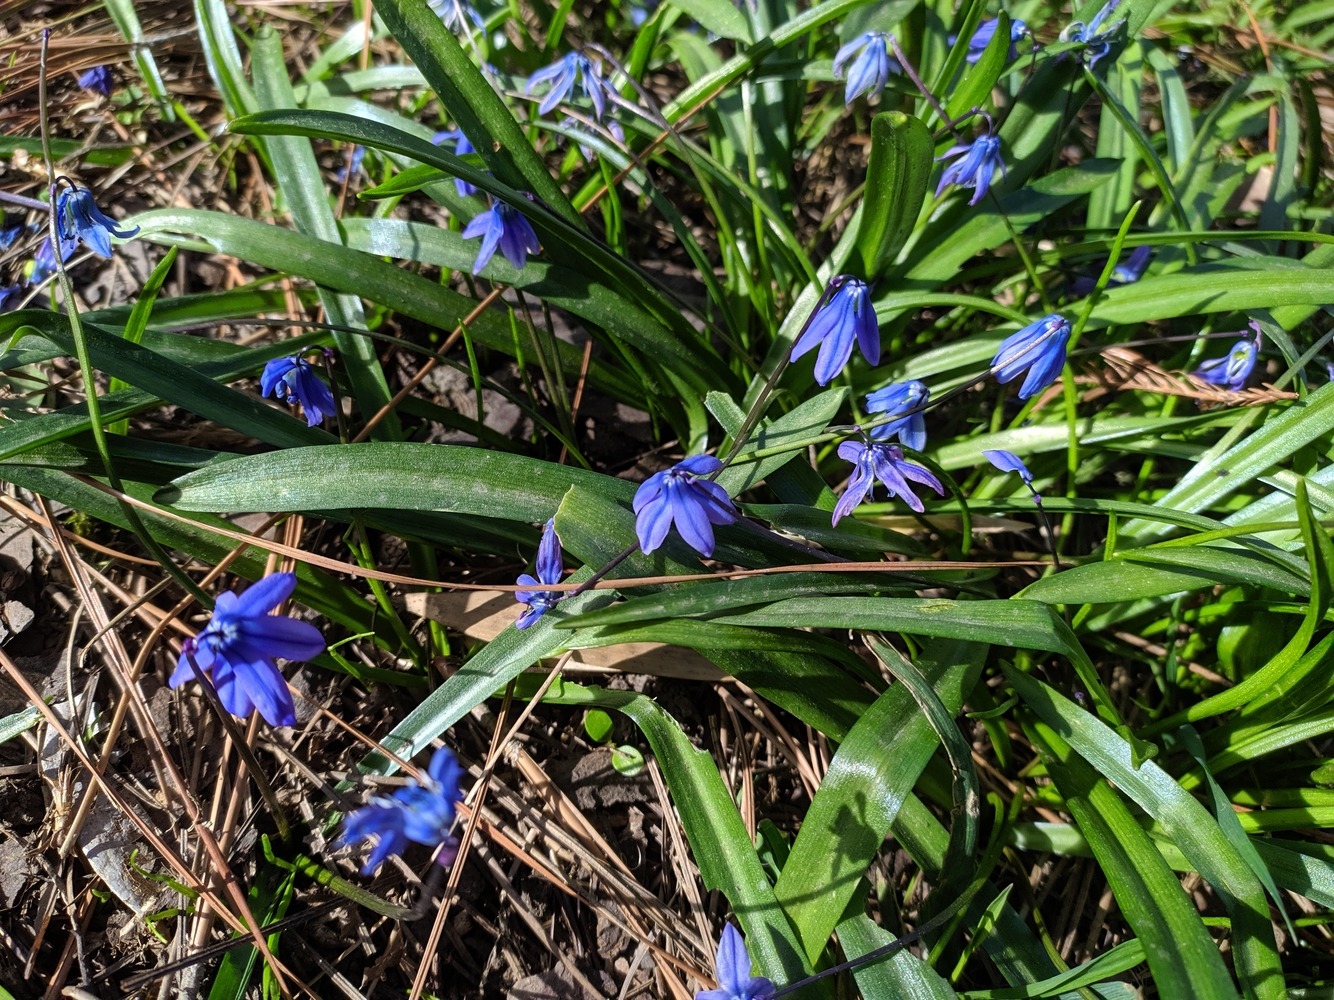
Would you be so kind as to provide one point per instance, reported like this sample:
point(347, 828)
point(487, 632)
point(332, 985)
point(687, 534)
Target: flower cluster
point(421, 812)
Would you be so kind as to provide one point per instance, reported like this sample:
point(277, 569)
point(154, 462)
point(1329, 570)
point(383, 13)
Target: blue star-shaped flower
point(293, 380)
point(975, 164)
point(886, 463)
point(901, 398)
point(420, 812)
point(732, 967)
point(1233, 369)
point(867, 64)
point(678, 495)
point(238, 648)
point(844, 313)
point(504, 227)
point(79, 219)
point(1038, 349)
point(97, 80)
point(1096, 39)
point(571, 71)
point(549, 570)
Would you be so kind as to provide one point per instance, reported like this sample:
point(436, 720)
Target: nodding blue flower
point(79, 218)
point(293, 380)
point(350, 169)
point(886, 463)
point(867, 63)
point(1038, 349)
point(732, 967)
point(1096, 39)
point(843, 313)
point(504, 227)
point(549, 570)
point(97, 80)
point(238, 648)
point(987, 30)
point(901, 398)
point(976, 163)
point(572, 70)
point(461, 148)
point(1008, 461)
point(678, 495)
point(10, 234)
point(455, 13)
point(421, 812)
point(1233, 369)
point(1126, 272)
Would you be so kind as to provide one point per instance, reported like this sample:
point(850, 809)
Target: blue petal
point(652, 522)
point(274, 373)
point(278, 635)
point(263, 686)
point(262, 597)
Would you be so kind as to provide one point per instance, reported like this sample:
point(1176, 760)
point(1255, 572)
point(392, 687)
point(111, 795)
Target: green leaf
point(719, 16)
point(896, 181)
point(903, 976)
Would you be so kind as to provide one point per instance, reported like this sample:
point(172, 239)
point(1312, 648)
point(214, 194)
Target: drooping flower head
point(866, 63)
point(680, 496)
point(237, 649)
point(901, 398)
point(456, 13)
point(461, 148)
point(1233, 369)
point(293, 380)
point(504, 227)
point(353, 166)
point(1096, 38)
point(421, 812)
point(1126, 272)
point(97, 80)
point(886, 463)
point(987, 30)
point(1008, 461)
point(732, 967)
point(571, 71)
point(844, 313)
point(79, 219)
point(548, 571)
point(1038, 349)
point(975, 164)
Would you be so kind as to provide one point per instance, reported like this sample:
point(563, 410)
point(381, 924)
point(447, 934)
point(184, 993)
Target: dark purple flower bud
point(679, 496)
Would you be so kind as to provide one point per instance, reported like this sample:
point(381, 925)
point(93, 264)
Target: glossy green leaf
point(896, 181)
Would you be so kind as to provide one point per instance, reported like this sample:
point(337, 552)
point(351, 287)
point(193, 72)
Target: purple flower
point(238, 648)
point(461, 148)
point(549, 570)
point(901, 398)
point(97, 80)
point(504, 227)
point(867, 63)
point(843, 312)
point(573, 70)
point(679, 495)
point(1233, 369)
point(421, 812)
point(886, 463)
point(732, 967)
point(1008, 461)
point(976, 163)
point(984, 33)
point(79, 219)
point(1096, 39)
point(1039, 349)
point(455, 13)
point(293, 380)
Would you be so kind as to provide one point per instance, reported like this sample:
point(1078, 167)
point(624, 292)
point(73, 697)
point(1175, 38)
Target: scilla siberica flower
point(421, 812)
point(732, 967)
point(454, 13)
point(886, 463)
point(678, 495)
point(843, 313)
point(867, 64)
point(1233, 369)
point(548, 571)
point(293, 380)
point(1008, 461)
point(504, 227)
point(975, 163)
point(901, 398)
point(461, 148)
point(1096, 39)
point(79, 219)
point(1038, 349)
point(987, 30)
point(238, 648)
point(1126, 272)
point(572, 70)
point(97, 80)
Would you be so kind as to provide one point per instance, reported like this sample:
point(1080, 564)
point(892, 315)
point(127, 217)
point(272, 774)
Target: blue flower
point(732, 967)
point(1233, 369)
point(421, 812)
point(886, 463)
point(1127, 272)
point(238, 648)
point(901, 398)
point(504, 227)
point(987, 30)
point(549, 570)
point(867, 62)
point(976, 164)
point(8, 292)
point(345, 173)
point(461, 148)
point(79, 218)
point(572, 70)
point(1096, 39)
point(1008, 461)
point(293, 380)
point(843, 312)
point(679, 495)
point(44, 260)
point(455, 12)
point(1039, 349)
point(10, 234)
point(97, 79)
